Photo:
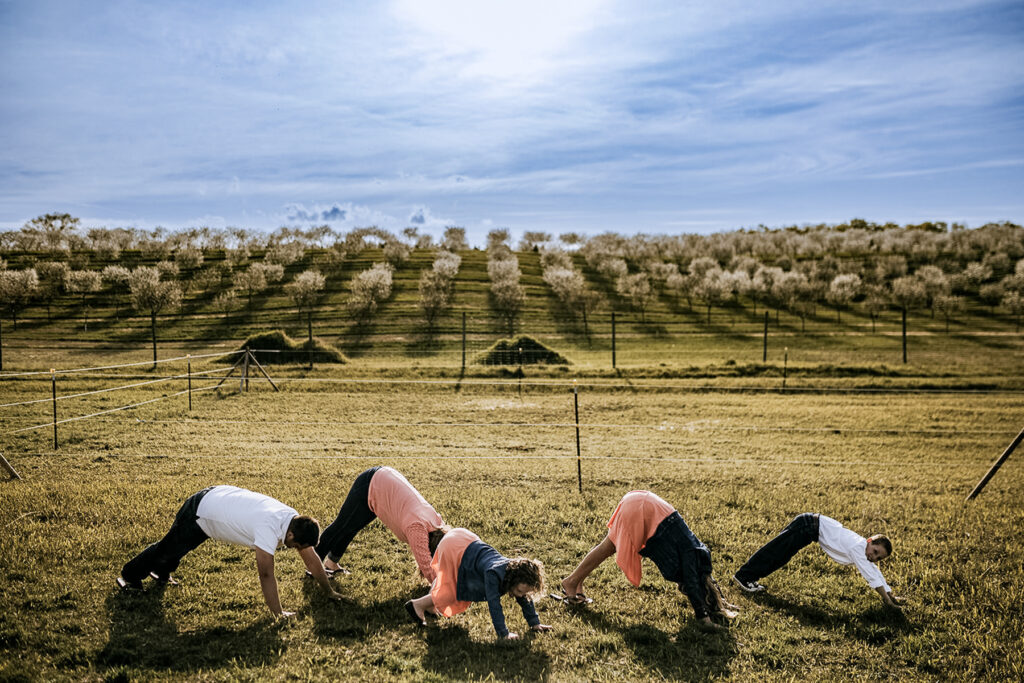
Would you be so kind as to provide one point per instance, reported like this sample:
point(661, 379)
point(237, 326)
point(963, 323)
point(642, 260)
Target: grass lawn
point(737, 464)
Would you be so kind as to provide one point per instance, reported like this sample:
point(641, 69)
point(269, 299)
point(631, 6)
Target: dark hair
point(522, 570)
point(434, 537)
point(883, 541)
point(305, 530)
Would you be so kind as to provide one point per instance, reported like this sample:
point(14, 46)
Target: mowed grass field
point(737, 464)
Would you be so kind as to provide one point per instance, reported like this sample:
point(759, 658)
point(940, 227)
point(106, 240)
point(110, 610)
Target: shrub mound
point(277, 347)
point(506, 352)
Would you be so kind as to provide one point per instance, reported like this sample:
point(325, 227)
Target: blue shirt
point(480, 575)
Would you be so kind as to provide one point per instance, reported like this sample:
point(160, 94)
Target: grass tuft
point(281, 348)
point(522, 350)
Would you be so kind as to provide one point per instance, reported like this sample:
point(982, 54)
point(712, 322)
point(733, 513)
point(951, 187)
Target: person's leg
point(802, 531)
point(573, 584)
point(353, 517)
point(423, 606)
point(163, 557)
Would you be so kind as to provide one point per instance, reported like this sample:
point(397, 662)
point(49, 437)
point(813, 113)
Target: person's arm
point(419, 544)
point(492, 589)
point(888, 598)
point(530, 613)
point(268, 582)
point(316, 568)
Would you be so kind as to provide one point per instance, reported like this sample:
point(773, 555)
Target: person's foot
point(129, 586)
point(747, 586)
point(416, 615)
point(165, 580)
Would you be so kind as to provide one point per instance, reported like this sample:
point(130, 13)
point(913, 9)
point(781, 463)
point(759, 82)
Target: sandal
point(577, 599)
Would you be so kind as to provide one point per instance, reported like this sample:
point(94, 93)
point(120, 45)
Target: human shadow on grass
point(143, 637)
point(348, 620)
point(688, 654)
point(453, 654)
point(876, 625)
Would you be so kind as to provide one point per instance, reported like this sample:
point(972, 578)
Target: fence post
point(188, 356)
point(463, 341)
point(53, 383)
point(579, 464)
point(785, 367)
point(7, 466)
point(613, 340)
point(764, 354)
point(996, 465)
point(520, 373)
point(904, 336)
point(243, 382)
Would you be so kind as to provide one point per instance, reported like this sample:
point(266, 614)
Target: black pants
point(164, 556)
point(802, 531)
point(353, 517)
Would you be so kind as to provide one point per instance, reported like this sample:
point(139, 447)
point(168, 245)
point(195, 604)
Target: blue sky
point(657, 117)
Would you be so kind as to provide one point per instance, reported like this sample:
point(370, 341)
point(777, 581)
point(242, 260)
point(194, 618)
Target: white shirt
point(243, 517)
point(847, 547)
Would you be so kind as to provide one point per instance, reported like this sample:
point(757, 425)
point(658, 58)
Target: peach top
point(634, 521)
point(445, 564)
point(406, 512)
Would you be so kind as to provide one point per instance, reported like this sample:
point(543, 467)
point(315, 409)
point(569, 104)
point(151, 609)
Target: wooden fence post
point(996, 465)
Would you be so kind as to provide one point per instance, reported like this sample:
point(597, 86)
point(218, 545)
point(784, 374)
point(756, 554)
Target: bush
point(506, 352)
point(287, 350)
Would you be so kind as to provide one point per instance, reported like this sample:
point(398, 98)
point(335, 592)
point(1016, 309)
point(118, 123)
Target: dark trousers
point(164, 556)
point(353, 517)
point(802, 531)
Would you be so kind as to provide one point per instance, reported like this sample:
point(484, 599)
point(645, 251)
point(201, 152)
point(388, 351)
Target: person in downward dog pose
point(468, 570)
point(232, 515)
point(838, 542)
point(382, 492)
point(644, 525)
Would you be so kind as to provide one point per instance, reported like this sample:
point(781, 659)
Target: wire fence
point(211, 378)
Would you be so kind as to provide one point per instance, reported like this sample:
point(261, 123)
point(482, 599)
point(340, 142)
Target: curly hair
point(522, 570)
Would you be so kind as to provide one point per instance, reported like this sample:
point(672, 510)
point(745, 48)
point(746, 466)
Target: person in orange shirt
point(644, 525)
point(382, 492)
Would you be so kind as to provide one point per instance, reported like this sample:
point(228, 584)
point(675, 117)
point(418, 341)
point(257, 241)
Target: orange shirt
point(634, 521)
point(446, 564)
point(406, 512)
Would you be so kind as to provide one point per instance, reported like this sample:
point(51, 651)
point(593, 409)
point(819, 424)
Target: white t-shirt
point(243, 517)
point(847, 547)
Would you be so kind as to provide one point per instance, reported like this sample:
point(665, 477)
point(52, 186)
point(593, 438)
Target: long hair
point(434, 537)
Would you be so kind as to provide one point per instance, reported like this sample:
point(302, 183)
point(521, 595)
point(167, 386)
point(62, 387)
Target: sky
point(573, 115)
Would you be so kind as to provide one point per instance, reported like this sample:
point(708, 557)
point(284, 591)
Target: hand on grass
point(540, 627)
point(512, 636)
point(285, 615)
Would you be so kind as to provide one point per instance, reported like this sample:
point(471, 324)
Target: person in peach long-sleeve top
point(644, 525)
point(382, 492)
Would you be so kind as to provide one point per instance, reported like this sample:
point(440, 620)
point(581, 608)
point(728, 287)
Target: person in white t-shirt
point(838, 542)
point(240, 517)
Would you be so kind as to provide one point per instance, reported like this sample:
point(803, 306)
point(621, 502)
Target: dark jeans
point(802, 531)
point(682, 559)
point(164, 556)
point(353, 517)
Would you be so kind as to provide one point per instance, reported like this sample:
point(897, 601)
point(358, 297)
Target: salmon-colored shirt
point(446, 562)
point(406, 512)
point(634, 521)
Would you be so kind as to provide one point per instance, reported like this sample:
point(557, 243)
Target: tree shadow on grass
point(689, 654)
point(451, 653)
point(875, 626)
point(143, 638)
